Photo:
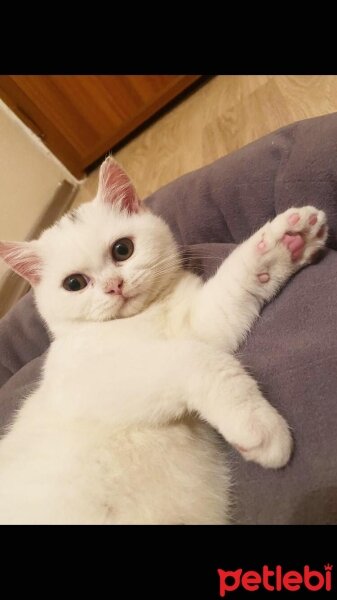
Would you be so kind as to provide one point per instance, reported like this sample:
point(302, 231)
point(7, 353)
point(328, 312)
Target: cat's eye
point(122, 249)
point(75, 282)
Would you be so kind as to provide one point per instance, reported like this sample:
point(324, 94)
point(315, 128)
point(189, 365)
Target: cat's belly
point(85, 473)
point(105, 439)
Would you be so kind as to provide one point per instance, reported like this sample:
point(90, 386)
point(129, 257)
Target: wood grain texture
point(221, 116)
point(80, 117)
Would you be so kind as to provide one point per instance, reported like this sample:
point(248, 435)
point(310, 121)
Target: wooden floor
point(221, 116)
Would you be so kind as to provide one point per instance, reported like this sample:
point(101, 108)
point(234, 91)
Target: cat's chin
point(131, 306)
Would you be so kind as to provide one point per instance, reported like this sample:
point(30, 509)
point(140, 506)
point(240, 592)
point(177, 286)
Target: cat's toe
point(314, 232)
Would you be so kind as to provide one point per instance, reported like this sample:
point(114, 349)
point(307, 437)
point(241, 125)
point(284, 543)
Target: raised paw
point(306, 232)
point(268, 441)
point(290, 241)
point(302, 231)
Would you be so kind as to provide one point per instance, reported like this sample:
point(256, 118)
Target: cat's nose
point(114, 286)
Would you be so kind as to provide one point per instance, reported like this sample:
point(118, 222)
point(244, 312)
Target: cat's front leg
point(230, 400)
point(227, 305)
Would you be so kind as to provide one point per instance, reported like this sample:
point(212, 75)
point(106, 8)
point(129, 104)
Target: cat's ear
point(115, 187)
point(23, 258)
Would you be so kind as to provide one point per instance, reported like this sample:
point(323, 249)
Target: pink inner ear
point(22, 259)
point(115, 187)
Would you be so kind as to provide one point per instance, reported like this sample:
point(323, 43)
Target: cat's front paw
point(268, 440)
point(291, 240)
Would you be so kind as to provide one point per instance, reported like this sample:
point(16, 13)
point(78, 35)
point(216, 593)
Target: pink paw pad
point(313, 219)
point(296, 255)
point(262, 245)
point(293, 219)
point(263, 277)
point(294, 243)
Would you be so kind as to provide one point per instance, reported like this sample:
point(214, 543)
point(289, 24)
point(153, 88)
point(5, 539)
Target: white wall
point(29, 175)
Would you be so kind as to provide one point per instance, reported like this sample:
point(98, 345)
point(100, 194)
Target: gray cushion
point(291, 349)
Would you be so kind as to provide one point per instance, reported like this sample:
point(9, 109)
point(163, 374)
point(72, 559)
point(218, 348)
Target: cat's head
point(110, 258)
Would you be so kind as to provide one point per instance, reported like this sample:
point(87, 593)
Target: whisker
point(154, 274)
point(167, 265)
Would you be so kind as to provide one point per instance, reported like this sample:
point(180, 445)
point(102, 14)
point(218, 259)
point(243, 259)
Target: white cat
point(141, 347)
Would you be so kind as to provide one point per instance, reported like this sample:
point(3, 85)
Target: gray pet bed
point(291, 350)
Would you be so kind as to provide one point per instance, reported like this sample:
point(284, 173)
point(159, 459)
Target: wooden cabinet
point(81, 117)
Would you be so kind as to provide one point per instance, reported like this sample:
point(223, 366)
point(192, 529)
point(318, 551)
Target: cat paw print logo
point(275, 580)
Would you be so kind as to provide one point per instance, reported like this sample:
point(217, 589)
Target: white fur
point(111, 435)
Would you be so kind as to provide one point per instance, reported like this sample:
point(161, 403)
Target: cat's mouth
point(124, 304)
point(127, 298)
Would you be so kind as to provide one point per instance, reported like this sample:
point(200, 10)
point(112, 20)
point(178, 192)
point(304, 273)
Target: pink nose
point(114, 286)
